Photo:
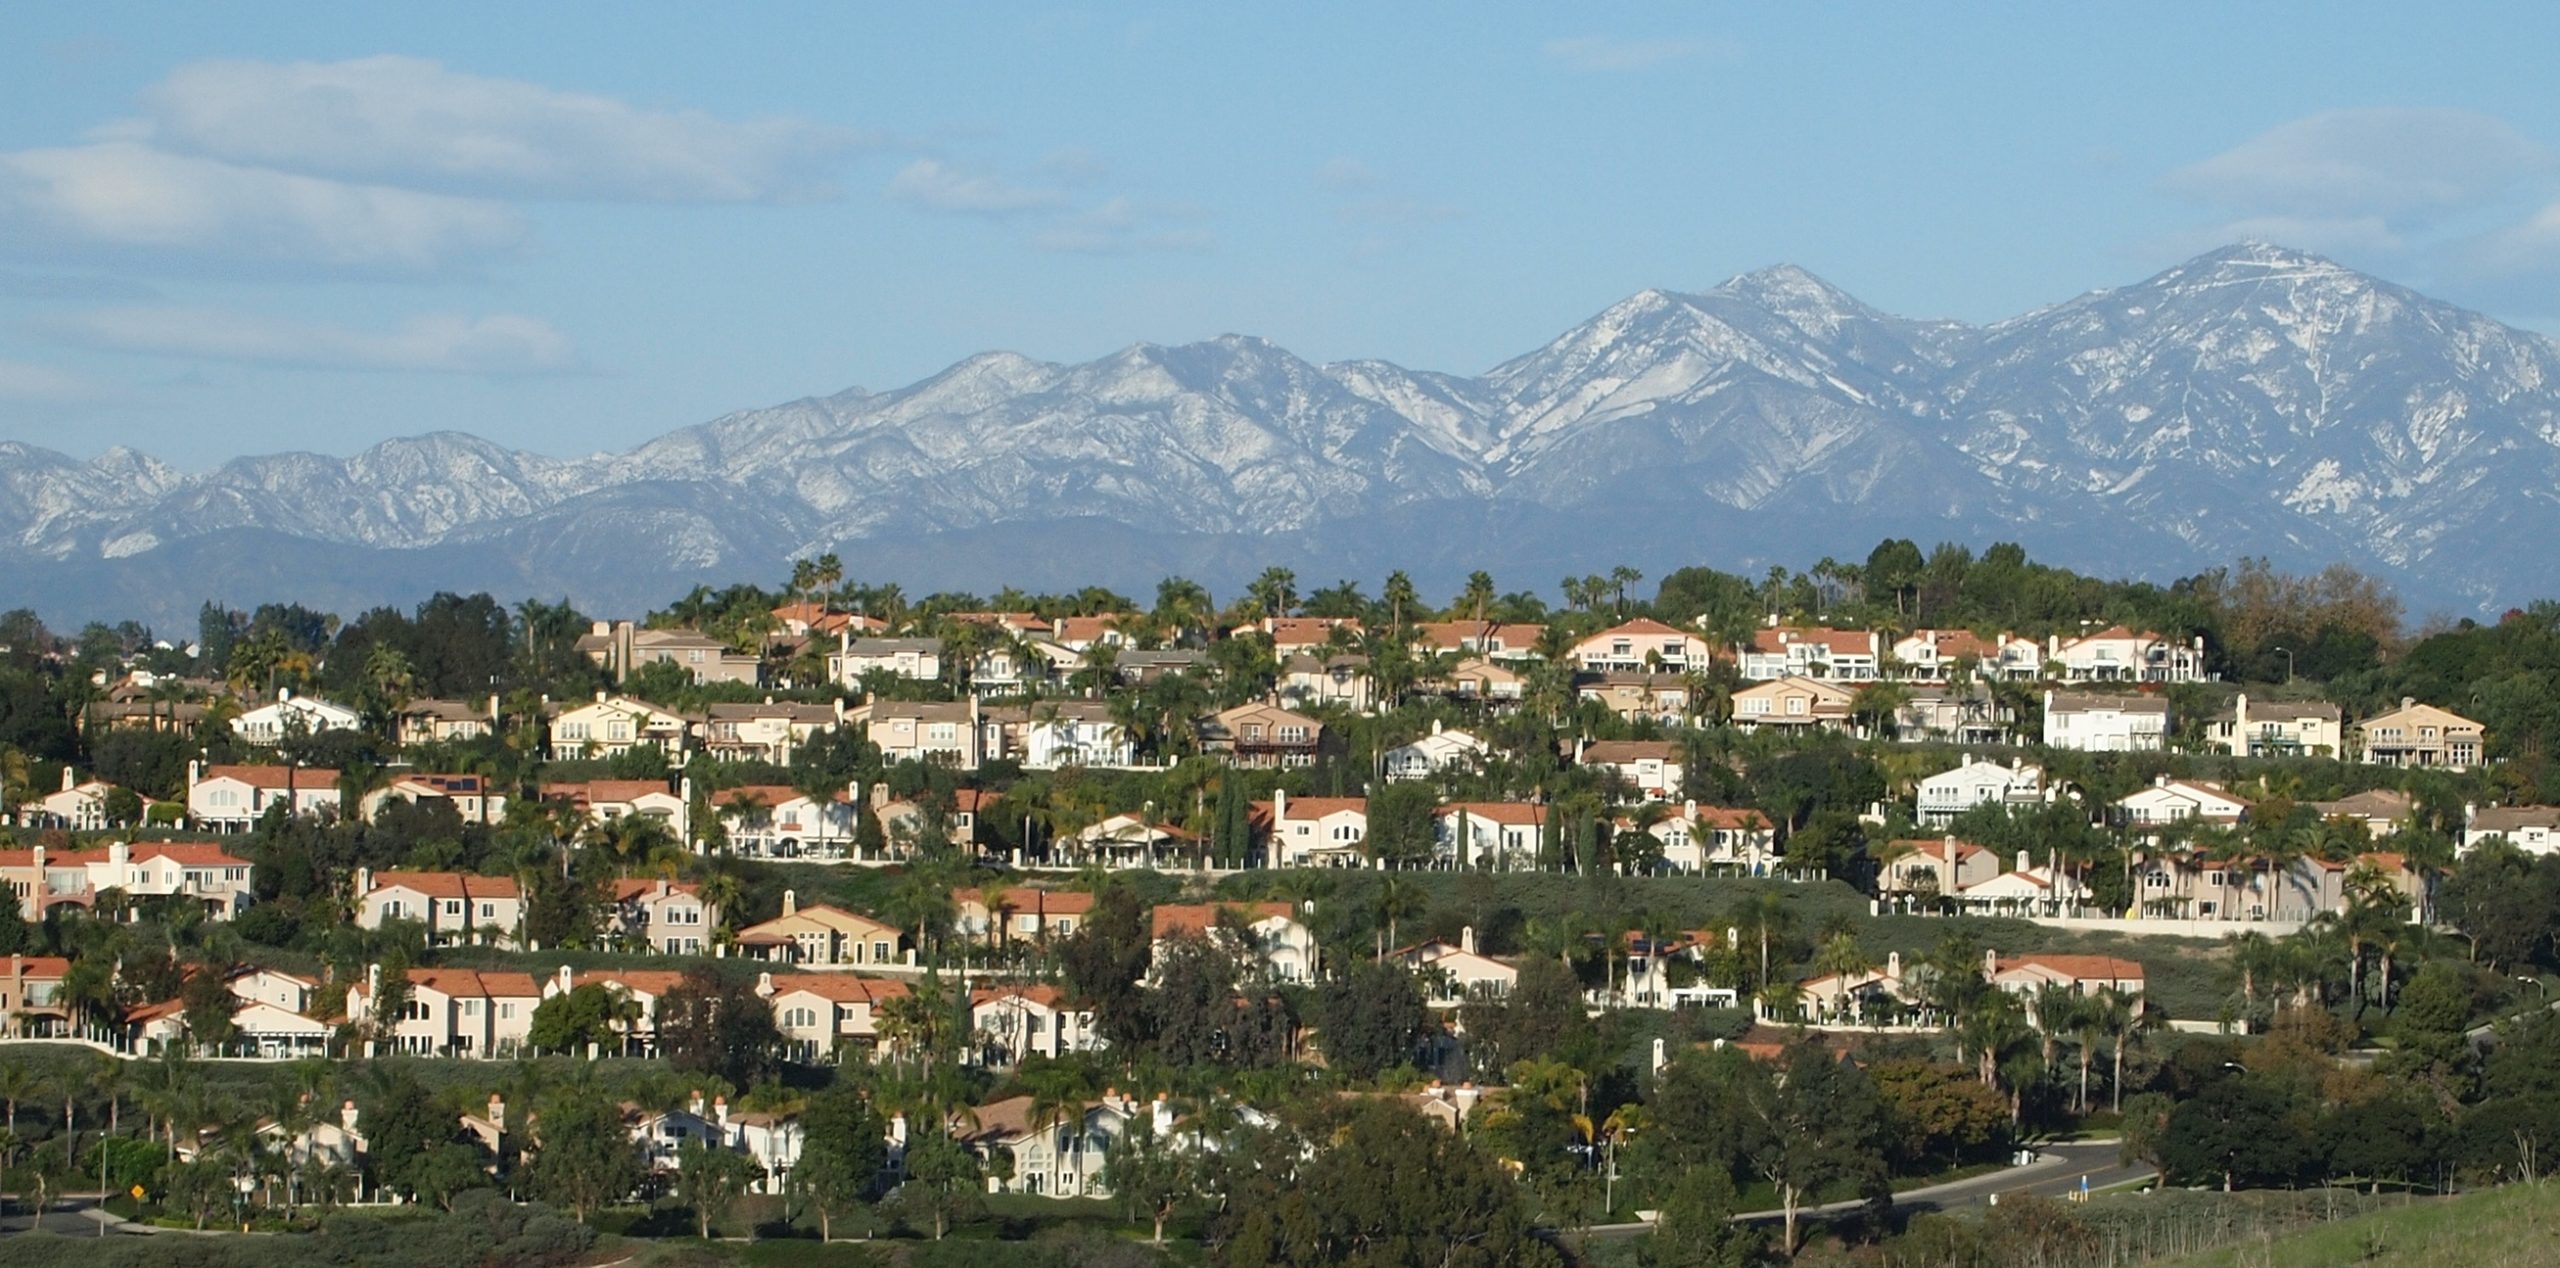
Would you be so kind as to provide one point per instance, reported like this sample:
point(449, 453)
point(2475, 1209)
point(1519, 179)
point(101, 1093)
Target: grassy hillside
point(2514, 1227)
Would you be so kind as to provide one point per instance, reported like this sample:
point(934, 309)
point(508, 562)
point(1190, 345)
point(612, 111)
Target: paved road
point(71, 1217)
point(2058, 1171)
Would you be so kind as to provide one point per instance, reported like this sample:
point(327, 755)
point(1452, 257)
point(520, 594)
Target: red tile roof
point(1170, 919)
point(1521, 813)
point(312, 777)
point(448, 884)
point(843, 988)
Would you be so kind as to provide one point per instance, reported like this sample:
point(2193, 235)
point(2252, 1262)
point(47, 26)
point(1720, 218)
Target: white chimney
point(1280, 803)
point(1990, 962)
point(2022, 860)
point(347, 1115)
point(498, 1112)
point(69, 779)
point(1163, 1121)
point(695, 1106)
point(1467, 939)
point(790, 901)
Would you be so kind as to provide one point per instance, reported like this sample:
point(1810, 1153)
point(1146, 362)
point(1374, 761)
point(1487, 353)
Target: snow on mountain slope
point(2252, 400)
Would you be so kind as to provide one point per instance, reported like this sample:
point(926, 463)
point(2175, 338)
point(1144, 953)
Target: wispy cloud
point(1121, 226)
point(2402, 165)
point(26, 384)
point(1604, 54)
point(499, 344)
point(1346, 175)
point(124, 197)
point(412, 121)
point(1395, 211)
point(935, 185)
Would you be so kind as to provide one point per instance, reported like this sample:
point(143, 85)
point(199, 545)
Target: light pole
point(2536, 983)
point(2287, 653)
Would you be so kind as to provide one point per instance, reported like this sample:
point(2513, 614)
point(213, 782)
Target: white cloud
point(938, 186)
point(1395, 211)
point(126, 197)
point(1343, 175)
point(2527, 253)
point(1605, 53)
point(39, 385)
point(1074, 165)
point(2400, 164)
point(1121, 226)
point(411, 121)
point(502, 343)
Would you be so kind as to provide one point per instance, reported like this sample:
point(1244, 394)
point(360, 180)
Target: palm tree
point(1766, 917)
point(2123, 1017)
point(17, 1083)
point(1396, 900)
point(1840, 959)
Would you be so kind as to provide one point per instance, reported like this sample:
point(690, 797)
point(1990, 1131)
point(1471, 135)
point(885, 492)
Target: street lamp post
point(2287, 653)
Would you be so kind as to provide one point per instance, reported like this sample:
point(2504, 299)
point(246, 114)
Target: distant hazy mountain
point(2251, 401)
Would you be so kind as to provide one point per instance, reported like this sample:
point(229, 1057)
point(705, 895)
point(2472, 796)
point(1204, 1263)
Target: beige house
point(1261, 736)
point(2380, 811)
point(1937, 655)
point(1494, 835)
point(610, 726)
point(1062, 1157)
point(820, 1014)
point(1483, 678)
point(936, 732)
point(1640, 647)
point(1652, 767)
point(1935, 869)
point(1717, 840)
point(444, 721)
point(2105, 724)
point(2419, 735)
point(2271, 728)
point(668, 917)
point(766, 732)
point(822, 936)
point(622, 649)
point(858, 658)
point(1637, 696)
point(1343, 681)
point(1794, 704)
point(1019, 913)
point(2120, 654)
point(457, 908)
point(451, 1013)
point(1492, 640)
point(2208, 887)
point(605, 800)
point(471, 796)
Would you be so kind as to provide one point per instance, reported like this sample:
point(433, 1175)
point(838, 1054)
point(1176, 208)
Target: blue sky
point(243, 228)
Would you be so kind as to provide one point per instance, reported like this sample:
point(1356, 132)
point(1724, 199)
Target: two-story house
point(1283, 946)
point(1010, 1023)
point(269, 725)
point(449, 1012)
point(1261, 736)
point(1641, 646)
point(457, 908)
point(2276, 728)
point(769, 732)
point(610, 726)
point(779, 821)
point(941, 733)
point(444, 721)
point(822, 936)
point(668, 917)
point(2119, 654)
point(822, 1014)
point(858, 658)
point(1019, 914)
point(2105, 724)
point(1947, 794)
point(1430, 754)
point(2169, 801)
point(2419, 735)
point(1794, 704)
point(473, 798)
point(1782, 651)
point(1492, 835)
point(1653, 768)
point(233, 798)
point(1313, 831)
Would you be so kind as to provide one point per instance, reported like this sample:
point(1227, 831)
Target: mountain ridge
point(2252, 400)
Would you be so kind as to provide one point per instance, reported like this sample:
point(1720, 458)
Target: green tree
point(589, 1014)
point(1372, 1019)
point(1393, 1190)
point(711, 1179)
point(710, 1026)
point(1815, 1123)
point(1696, 1228)
point(1153, 1175)
point(585, 1158)
point(844, 1151)
point(944, 1183)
